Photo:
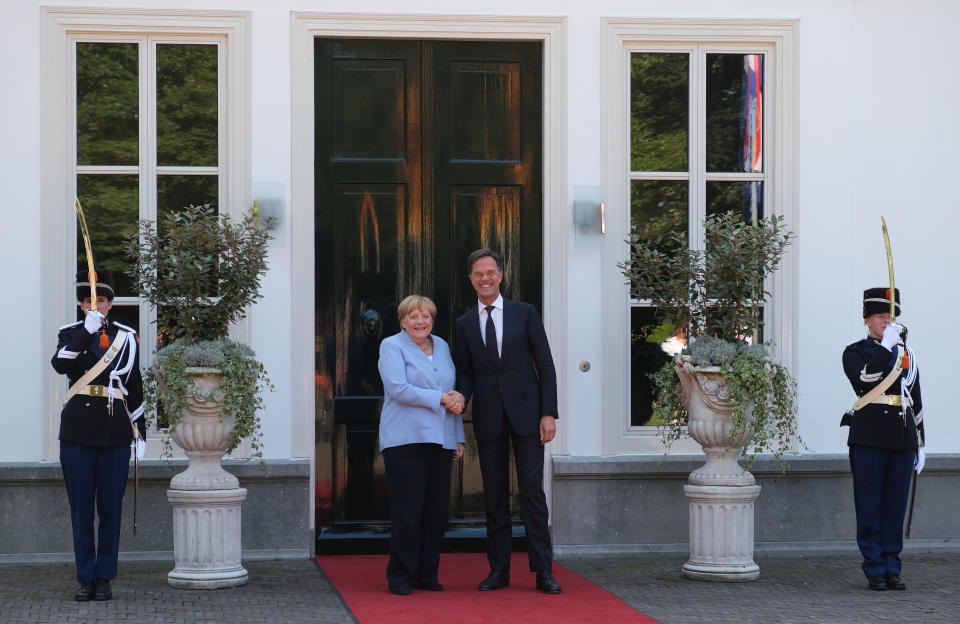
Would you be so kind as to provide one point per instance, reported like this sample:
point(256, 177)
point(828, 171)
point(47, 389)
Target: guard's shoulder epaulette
point(69, 325)
point(125, 328)
point(856, 343)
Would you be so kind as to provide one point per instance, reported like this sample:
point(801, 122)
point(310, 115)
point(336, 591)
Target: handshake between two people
point(453, 401)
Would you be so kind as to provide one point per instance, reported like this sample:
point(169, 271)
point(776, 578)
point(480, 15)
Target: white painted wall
point(865, 149)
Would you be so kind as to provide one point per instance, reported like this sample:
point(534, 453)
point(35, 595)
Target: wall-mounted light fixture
point(589, 216)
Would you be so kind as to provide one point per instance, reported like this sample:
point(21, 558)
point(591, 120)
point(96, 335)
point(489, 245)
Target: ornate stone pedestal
point(206, 498)
point(721, 533)
point(206, 538)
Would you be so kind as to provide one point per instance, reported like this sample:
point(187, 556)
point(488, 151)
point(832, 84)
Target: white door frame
point(305, 28)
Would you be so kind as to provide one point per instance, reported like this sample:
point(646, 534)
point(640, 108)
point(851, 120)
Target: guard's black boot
point(103, 591)
point(85, 592)
point(894, 582)
point(878, 583)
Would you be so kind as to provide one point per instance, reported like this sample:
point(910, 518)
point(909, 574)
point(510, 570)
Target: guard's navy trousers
point(881, 483)
point(95, 476)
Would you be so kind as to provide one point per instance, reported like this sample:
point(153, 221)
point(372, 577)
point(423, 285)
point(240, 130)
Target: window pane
point(107, 104)
point(173, 194)
point(659, 100)
point(176, 191)
point(735, 112)
point(744, 198)
point(111, 208)
point(652, 344)
point(187, 105)
point(658, 209)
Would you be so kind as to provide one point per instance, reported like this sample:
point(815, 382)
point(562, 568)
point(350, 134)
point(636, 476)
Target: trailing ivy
point(241, 392)
point(747, 370)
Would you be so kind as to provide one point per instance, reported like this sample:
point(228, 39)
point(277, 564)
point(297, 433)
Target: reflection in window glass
point(108, 120)
point(187, 105)
point(111, 208)
point(743, 198)
point(658, 208)
point(176, 191)
point(659, 116)
point(734, 112)
point(652, 344)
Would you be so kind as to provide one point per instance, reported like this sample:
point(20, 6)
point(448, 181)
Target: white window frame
point(777, 40)
point(62, 28)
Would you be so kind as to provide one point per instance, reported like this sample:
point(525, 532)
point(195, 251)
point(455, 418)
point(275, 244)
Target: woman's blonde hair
point(413, 302)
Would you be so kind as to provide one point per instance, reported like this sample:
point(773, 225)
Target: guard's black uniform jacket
point(866, 364)
point(86, 419)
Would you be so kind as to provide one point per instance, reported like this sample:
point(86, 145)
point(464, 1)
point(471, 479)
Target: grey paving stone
point(792, 589)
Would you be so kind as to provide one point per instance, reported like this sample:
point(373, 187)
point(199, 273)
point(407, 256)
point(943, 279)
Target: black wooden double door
point(425, 151)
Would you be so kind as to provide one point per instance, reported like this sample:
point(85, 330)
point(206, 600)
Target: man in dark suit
point(503, 361)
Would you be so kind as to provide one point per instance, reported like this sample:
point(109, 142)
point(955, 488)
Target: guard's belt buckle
point(98, 391)
point(893, 399)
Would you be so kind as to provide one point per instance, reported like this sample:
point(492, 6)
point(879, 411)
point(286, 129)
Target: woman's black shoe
point(399, 590)
point(429, 586)
point(85, 592)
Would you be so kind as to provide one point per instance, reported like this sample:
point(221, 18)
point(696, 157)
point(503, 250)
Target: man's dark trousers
point(881, 484)
point(495, 470)
point(95, 476)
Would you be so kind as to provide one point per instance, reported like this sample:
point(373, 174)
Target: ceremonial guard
point(886, 435)
point(101, 421)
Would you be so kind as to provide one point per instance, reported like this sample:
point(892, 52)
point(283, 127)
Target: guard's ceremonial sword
point(893, 295)
point(91, 271)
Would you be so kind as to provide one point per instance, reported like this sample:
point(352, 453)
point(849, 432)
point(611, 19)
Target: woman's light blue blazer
point(412, 385)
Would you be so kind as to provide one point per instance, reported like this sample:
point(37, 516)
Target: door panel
point(425, 151)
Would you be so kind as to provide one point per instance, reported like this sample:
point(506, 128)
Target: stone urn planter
point(721, 493)
point(206, 498)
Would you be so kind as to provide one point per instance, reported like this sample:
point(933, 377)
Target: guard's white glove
point(93, 322)
point(139, 447)
point(891, 336)
point(920, 461)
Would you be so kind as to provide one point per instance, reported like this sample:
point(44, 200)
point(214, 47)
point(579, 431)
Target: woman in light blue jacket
point(421, 432)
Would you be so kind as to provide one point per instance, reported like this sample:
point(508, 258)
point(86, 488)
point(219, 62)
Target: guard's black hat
point(877, 301)
point(104, 284)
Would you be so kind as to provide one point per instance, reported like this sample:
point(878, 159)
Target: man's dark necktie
point(491, 336)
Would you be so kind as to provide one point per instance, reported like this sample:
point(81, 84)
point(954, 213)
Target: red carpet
point(362, 583)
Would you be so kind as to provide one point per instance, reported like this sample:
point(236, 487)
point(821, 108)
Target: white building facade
point(853, 118)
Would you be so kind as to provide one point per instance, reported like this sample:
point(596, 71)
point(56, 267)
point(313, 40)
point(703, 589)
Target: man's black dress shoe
point(877, 582)
point(399, 590)
point(546, 582)
point(496, 580)
point(894, 582)
point(429, 586)
point(85, 592)
point(102, 591)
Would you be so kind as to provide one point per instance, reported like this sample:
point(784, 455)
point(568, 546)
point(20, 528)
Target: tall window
point(699, 118)
point(696, 149)
point(148, 139)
